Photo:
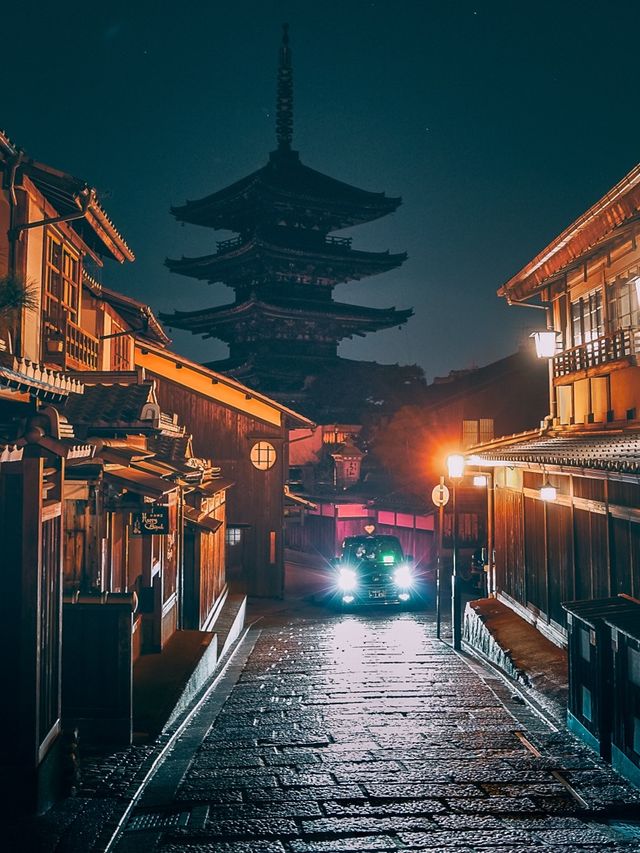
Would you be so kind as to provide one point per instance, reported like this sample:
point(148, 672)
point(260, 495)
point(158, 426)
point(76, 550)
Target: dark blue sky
point(498, 124)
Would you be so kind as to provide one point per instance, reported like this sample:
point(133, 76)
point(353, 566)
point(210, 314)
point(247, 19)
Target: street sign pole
point(438, 567)
point(440, 496)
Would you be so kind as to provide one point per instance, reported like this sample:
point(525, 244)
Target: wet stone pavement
point(364, 732)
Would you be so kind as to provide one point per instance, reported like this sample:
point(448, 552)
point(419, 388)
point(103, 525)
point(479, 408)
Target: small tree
point(15, 296)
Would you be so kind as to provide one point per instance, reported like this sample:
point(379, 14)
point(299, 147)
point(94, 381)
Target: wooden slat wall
point(560, 569)
point(509, 542)
point(257, 499)
point(567, 551)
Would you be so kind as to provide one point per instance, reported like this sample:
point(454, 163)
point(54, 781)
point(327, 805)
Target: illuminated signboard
point(150, 521)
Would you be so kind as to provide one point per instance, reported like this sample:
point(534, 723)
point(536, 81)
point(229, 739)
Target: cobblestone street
point(364, 732)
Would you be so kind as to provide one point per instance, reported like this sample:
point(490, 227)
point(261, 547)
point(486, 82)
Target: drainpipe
point(552, 390)
point(13, 204)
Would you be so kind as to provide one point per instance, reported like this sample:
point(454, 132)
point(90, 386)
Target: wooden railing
point(71, 347)
point(339, 242)
point(226, 245)
point(624, 343)
point(82, 349)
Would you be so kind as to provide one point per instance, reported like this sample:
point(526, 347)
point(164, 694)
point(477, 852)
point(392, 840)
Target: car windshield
point(383, 549)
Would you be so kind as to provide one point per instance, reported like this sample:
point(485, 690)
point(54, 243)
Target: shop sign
point(150, 521)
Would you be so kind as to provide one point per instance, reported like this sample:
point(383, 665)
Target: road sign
point(440, 495)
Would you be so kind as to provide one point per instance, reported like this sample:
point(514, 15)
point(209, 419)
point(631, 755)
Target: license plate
point(377, 593)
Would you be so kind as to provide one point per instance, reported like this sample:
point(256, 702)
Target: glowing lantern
point(546, 343)
point(455, 465)
point(548, 492)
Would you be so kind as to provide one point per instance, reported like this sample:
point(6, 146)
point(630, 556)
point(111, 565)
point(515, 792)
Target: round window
point(263, 455)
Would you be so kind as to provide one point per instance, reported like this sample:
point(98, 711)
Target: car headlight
point(403, 577)
point(347, 579)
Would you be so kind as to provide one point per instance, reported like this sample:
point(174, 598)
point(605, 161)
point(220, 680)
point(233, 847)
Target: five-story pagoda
point(284, 326)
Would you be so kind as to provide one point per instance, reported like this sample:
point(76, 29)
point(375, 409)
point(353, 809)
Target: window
point(587, 323)
point(234, 535)
point(476, 432)
point(622, 304)
point(62, 281)
point(263, 455)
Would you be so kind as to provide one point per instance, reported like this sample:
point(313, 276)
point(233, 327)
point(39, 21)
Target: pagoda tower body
point(284, 327)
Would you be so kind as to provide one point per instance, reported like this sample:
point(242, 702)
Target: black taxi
point(372, 569)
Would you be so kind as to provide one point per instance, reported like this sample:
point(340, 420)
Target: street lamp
point(548, 492)
point(546, 343)
point(455, 467)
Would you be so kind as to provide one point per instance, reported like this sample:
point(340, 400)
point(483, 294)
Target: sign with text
point(150, 521)
point(440, 495)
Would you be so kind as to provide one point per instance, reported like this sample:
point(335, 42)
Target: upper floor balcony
point(68, 345)
point(623, 344)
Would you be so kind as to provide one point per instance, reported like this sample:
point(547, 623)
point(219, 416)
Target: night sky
point(498, 124)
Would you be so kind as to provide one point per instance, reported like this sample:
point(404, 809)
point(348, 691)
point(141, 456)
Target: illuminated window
point(587, 322)
point(622, 304)
point(234, 535)
point(263, 455)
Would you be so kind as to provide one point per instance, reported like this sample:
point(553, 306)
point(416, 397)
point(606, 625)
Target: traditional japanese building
point(284, 326)
point(567, 496)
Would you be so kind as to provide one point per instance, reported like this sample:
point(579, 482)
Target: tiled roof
point(139, 316)
point(10, 452)
point(285, 181)
point(20, 374)
point(346, 316)
point(610, 451)
point(258, 258)
point(117, 407)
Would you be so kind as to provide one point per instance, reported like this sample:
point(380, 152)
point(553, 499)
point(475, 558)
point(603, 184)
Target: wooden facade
point(236, 425)
point(583, 540)
point(86, 457)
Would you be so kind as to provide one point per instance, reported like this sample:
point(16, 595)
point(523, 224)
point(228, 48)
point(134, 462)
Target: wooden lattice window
point(263, 455)
point(61, 281)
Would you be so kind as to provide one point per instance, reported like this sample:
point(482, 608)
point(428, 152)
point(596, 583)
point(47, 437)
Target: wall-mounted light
point(546, 343)
point(548, 492)
point(480, 480)
point(455, 465)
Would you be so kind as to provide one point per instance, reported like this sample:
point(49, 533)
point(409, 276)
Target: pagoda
point(284, 326)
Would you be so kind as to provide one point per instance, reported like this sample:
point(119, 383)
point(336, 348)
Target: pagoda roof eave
point(202, 321)
point(213, 267)
point(284, 178)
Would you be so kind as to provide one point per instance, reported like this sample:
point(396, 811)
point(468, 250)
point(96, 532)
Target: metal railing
point(624, 343)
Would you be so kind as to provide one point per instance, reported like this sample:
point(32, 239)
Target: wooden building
point(567, 496)
point(51, 227)
point(248, 434)
point(89, 464)
point(284, 326)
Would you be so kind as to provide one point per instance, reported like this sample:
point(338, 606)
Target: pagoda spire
point(284, 100)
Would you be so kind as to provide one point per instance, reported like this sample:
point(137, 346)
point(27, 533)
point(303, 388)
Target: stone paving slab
point(364, 732)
